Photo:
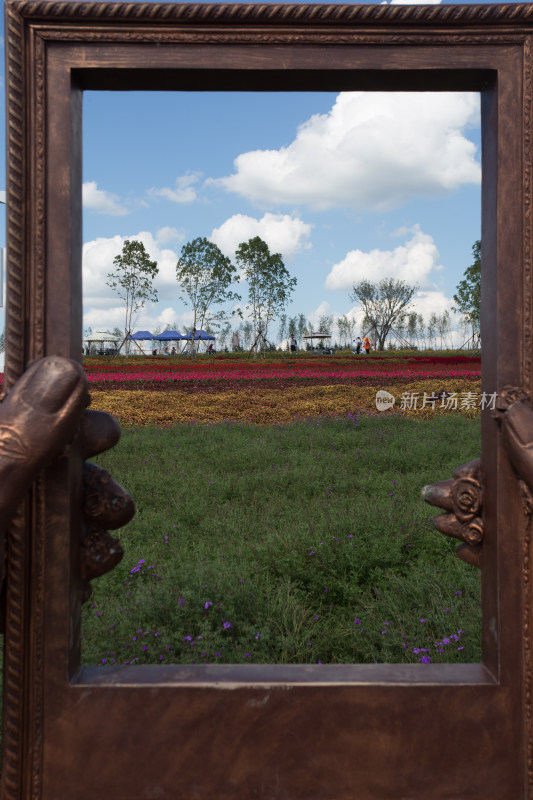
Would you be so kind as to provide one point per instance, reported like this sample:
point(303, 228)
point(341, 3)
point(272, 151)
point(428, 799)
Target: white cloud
point(100, 201)
point(372, 151)
point(283, 233)
point(412, 262)
point(168, 234)
point(184, 191)
point(101, 305)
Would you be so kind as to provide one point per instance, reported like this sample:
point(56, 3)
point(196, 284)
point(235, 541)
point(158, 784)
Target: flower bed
point(136, 375)
point(265, 406)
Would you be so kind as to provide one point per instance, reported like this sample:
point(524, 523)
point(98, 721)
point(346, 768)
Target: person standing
point(293, 344)
point(366, 344)
point(358, 344)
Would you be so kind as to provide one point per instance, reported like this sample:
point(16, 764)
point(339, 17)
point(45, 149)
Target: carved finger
point(472, 469)
point(100, 553)
point(439, 494)
point(470, 532)
point(470, 554)
point(100, 432)
point(106, 503)
point(37, 419)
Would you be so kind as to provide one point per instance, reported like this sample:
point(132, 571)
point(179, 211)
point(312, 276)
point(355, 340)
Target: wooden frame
point(301, 732)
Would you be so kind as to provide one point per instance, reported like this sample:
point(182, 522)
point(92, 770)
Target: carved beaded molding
point(250, 14)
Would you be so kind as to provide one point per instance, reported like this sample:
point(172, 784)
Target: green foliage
point(133, 278)
point(205, 274)
point(382, 303)
point(468, 297)
point(287, 544)
point(269, 283)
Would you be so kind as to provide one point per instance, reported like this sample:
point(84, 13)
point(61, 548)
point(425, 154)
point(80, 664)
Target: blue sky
point(346, 187)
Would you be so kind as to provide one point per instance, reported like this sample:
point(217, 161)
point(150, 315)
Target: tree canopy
point(382, 303)
point(132, 281)
point(269, 283)
point(204, 274)
point(468, 297)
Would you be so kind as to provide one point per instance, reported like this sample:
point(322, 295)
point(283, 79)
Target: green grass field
point(303, 543)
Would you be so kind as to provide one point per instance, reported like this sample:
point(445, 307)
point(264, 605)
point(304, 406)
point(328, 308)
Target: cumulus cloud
point(413, 262)
point(168, 234)
point(97, 263)
point(100, 201)
point(183, 192)
point(283, 233)
point(371, 151)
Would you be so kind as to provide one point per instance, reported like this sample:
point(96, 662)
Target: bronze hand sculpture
point(42, 413)
point(462, 496)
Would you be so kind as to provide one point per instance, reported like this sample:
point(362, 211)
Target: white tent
point(99, 338)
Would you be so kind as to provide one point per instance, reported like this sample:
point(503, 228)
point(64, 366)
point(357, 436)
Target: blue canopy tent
point(202, 336)
point(168, 336)
point(139, 336)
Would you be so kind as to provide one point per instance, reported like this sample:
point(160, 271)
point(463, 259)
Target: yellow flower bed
point(270, 406)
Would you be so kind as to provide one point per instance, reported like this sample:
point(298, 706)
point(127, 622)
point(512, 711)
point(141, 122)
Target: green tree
point(204, 275)
point(224, 336)
point(468, 297)
point(302, 323)
point(444, 327)
point(382, 303)
point(269, 283)
point(432, 330)
point(282, 331)
point(2, 341)
point(132, 281)
point(422, 329)
point(292, 327)
point(412, 327)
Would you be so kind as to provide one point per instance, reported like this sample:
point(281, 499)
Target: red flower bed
point(142, 372)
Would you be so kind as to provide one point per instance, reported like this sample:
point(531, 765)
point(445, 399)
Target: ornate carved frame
point(333, 731)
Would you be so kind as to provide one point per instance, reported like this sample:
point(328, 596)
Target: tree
point(292, 328)
point(383, 303)
point(247, 332)
point(302, 322)
point(269, 284)
point(2, 341)
point(224, 336)
point(343, 327)
point(432, 330)
point(468, 297)
point(412, 328)
point(444, 327)
point(282, 332)
point(133, 280)
point(204, 275)
point(422, 329)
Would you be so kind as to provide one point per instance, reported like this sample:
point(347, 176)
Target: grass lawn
point(299, 543)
